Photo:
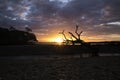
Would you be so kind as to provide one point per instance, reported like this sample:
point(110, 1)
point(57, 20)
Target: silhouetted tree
point(12, 28)
point(28, 29)
point(78, 34)
point(12, 36)
point(77, 39)
point(67, 41)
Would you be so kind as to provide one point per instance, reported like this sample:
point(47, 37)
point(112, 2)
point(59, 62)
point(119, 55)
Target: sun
point(59, 40)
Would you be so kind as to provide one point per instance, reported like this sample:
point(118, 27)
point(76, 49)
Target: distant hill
point(16, 37)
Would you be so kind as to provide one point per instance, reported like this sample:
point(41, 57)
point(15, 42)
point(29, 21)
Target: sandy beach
point(60, 68)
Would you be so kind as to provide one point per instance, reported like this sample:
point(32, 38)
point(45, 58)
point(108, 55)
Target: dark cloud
point(82, 7)
point(47, 14)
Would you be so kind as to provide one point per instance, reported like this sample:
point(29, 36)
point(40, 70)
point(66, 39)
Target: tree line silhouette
point(12, 36)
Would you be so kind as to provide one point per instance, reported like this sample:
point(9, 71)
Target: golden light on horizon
point(54, 36)
point(58, 40)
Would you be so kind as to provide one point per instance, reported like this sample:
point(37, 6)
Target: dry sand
point(60, 68)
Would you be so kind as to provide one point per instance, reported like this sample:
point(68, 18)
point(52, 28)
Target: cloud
point(51, 14)
point(79, 11)
point(113, 23)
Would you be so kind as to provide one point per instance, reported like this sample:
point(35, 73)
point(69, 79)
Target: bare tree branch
point(78, 34)
point(72, 35)
point(76, 29)
point(63, 34)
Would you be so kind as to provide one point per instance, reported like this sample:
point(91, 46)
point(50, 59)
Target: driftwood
point(76, 31)
point(77, 39)
point(72, 41)
point(66, 41)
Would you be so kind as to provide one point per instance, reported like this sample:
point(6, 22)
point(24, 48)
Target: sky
point(98, 19)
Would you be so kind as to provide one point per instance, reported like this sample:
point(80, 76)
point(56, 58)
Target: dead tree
point(73, 35)
point(67, 41)
point(77, 39)
point(78, 34)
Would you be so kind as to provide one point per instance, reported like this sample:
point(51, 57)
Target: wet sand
point(60, 68)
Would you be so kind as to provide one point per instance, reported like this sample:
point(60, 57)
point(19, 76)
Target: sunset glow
point(47, 18)
point(59, 40)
